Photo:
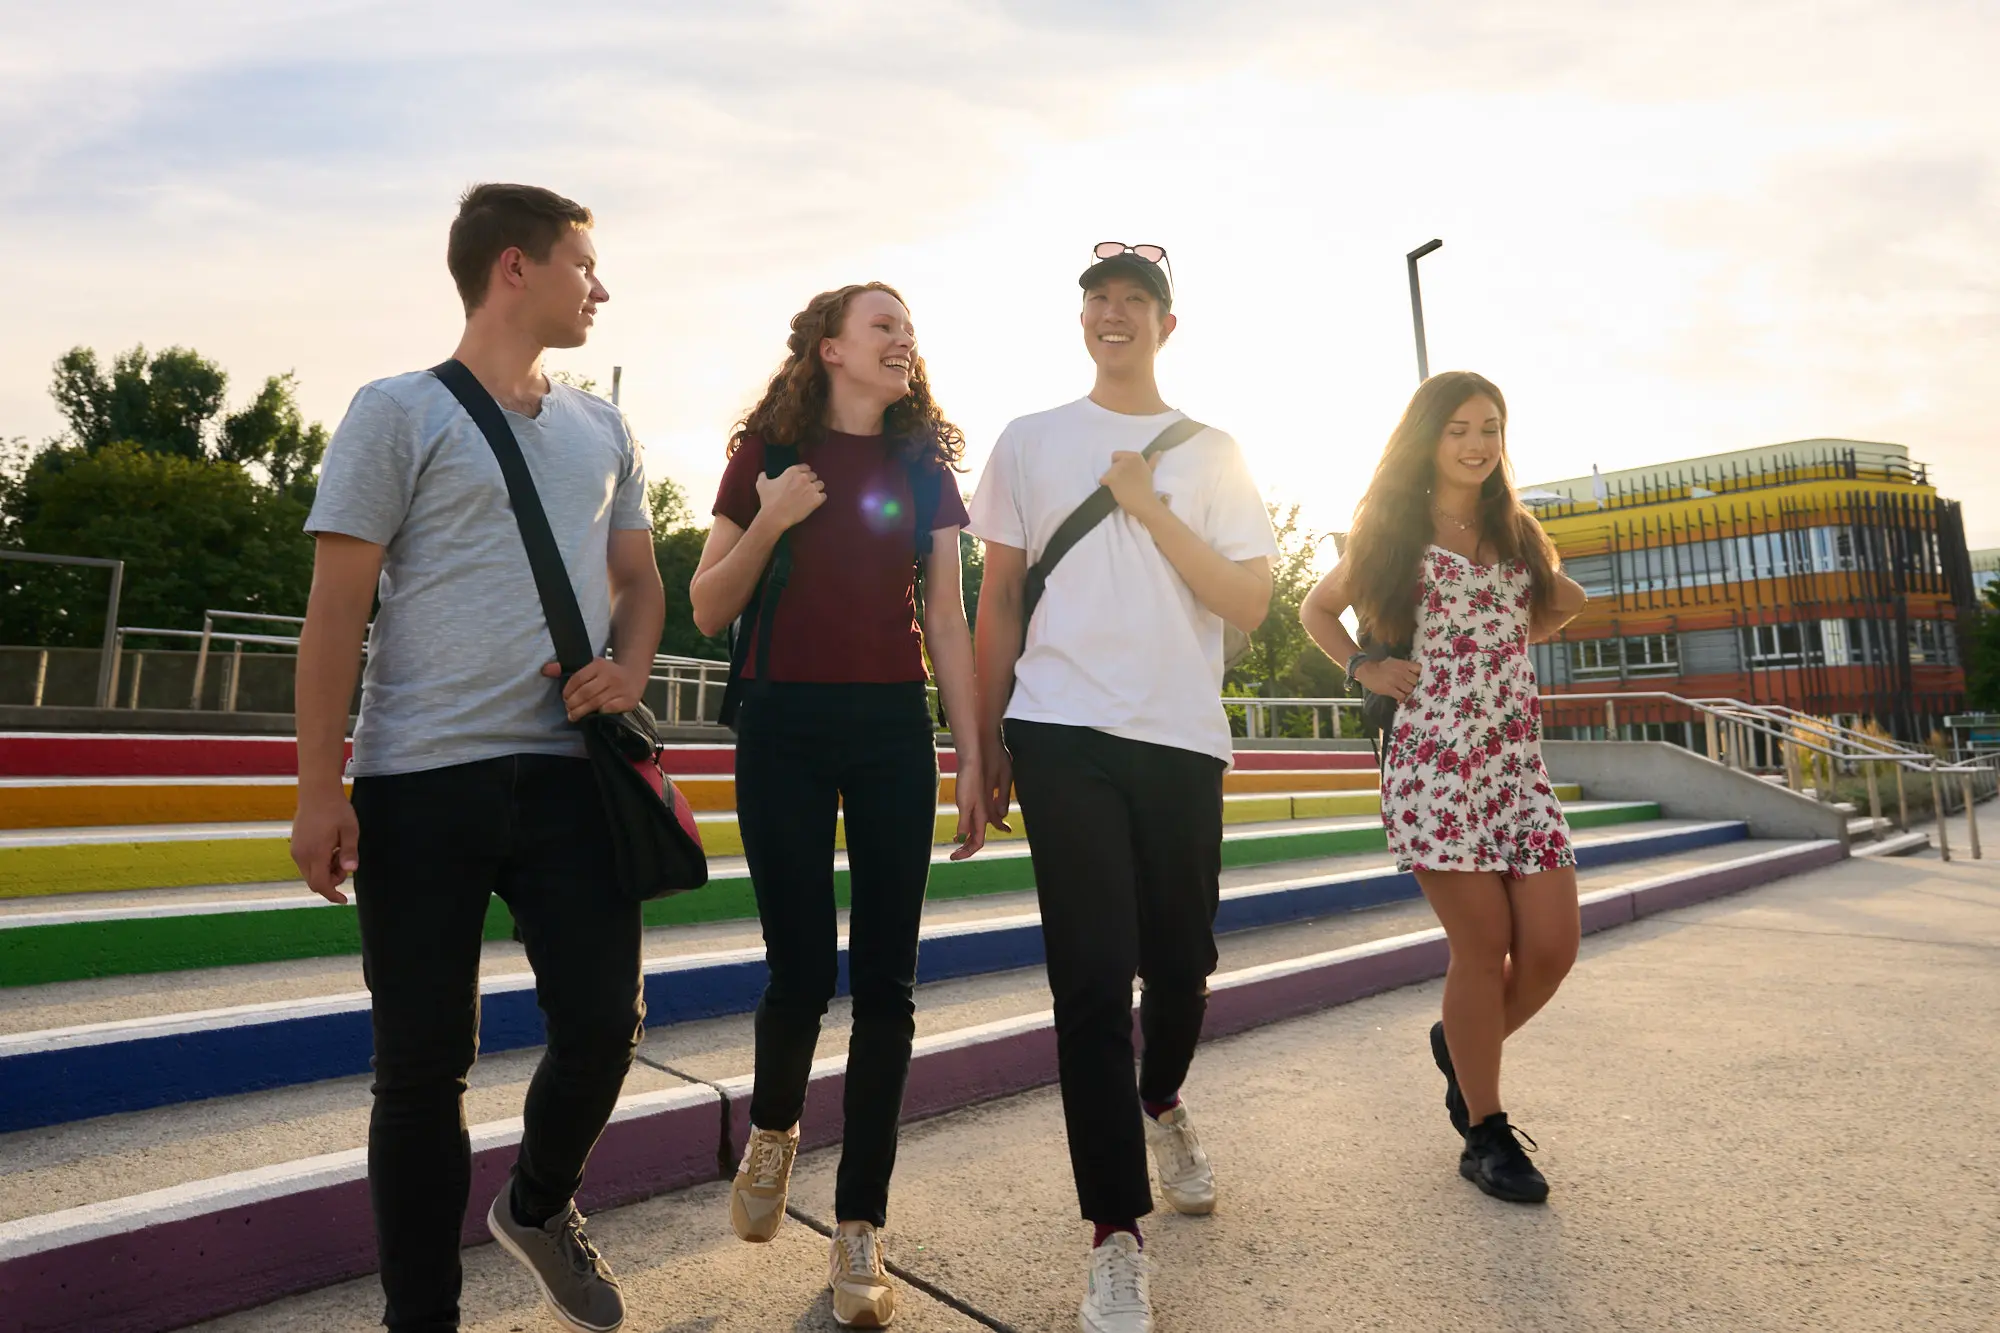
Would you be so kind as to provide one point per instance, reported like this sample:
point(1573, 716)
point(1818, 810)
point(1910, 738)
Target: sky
point(1669, 229)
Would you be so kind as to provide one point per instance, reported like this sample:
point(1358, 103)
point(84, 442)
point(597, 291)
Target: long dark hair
point(1392, 525)
point(793, 408)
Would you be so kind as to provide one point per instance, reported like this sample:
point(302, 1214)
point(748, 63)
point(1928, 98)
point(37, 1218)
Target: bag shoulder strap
point(763, 609)
point(1094, 510)
point(559, 604)
point(926, 494)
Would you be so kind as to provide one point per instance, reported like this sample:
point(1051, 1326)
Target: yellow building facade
point(1828, 575)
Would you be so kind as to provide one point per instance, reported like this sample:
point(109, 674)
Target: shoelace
point(859, 1254)
point(1515, 1144)
point(767, 1163)
point(1183, 1147)
point(1118, 1278)
point(583, 1256)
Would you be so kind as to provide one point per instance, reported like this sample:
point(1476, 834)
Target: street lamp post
point(1417, 307)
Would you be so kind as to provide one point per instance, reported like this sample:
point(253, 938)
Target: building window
point(1781, 645)
point(1652, 655)
point(1593, 659)
point(1638, 655)
point(1931, 643)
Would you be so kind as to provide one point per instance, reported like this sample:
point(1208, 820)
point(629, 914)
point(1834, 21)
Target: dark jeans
point(805, 753)
point(1126, 839)
point(434, 847)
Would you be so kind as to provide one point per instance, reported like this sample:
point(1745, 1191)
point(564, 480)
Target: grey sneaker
point(573, 1276)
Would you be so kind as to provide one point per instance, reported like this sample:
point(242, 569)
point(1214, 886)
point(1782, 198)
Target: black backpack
point(754, 624)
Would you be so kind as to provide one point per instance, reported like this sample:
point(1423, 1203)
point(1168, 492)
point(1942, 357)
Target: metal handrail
point(1729, 726)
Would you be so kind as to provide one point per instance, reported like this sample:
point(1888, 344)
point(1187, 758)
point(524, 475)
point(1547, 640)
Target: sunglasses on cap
point(1152, 254)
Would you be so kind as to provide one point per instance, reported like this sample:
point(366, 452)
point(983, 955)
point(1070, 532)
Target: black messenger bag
point(655, 842)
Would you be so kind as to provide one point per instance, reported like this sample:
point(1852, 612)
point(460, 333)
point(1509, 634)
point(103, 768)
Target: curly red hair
point(793, 408)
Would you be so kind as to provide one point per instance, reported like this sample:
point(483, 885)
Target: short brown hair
point(493, 219)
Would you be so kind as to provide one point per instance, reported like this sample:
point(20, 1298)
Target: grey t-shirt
point(456, 654)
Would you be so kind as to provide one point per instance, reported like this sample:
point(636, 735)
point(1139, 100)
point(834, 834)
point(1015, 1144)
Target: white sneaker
point(1185, 1175)
point(757, 1195)
point(1119, 1299)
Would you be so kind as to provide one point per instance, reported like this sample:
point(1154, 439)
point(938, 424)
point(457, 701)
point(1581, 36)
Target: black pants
point(1126, 839)
point(806, 753)
point(434, 846)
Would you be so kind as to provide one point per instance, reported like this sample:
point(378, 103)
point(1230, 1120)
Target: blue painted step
point(67, 1074)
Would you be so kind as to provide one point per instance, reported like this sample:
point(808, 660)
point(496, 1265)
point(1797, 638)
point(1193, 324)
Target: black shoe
point(1454, 1100)
point(1493, 1160)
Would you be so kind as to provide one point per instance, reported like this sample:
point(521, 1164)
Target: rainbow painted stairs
point(184, 1032)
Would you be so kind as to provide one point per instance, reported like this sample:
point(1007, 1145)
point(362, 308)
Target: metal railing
point(1762, 739)
point(1776, 739)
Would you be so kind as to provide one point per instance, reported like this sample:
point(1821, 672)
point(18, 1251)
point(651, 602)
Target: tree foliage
point(207, 510)
point(1982, 663)
point(163, 403)
point(194, 534)
point(1282, 662)
point(272, 434)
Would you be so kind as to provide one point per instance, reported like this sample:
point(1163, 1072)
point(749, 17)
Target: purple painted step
point(163, 1260)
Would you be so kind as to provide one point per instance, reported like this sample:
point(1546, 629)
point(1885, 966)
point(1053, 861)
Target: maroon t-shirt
point(848, 614)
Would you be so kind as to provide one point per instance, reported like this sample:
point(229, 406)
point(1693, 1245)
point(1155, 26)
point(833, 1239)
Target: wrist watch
point(1363, 657)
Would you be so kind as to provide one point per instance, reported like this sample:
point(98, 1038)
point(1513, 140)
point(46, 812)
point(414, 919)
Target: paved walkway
point(1761, 1113)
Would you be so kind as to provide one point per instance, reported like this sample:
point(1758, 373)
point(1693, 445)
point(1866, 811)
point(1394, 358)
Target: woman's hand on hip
point(1393, 676)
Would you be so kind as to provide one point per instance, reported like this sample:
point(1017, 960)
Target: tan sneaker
point(1185, 1176)
point(863, 1296)
point(757, 1198)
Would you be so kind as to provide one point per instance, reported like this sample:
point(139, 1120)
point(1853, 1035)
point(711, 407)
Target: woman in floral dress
point(1450, 578)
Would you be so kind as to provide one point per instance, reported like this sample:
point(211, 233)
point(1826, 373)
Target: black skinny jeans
point(806, 753)
point(434, 846)
point(1126, 839)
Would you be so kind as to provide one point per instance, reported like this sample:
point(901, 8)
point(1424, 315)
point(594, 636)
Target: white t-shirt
point(1118, 642)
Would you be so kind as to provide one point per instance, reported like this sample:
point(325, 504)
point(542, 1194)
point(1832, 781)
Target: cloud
point(1670, 229)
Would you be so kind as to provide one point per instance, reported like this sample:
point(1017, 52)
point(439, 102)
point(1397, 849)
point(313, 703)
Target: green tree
point(193, 533)
point(1982, 665)
point(1282, 662)
point(677, 544)
point(164, 404)
point(271, 434)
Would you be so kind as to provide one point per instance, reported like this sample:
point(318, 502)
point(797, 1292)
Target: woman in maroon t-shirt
point(834, 718)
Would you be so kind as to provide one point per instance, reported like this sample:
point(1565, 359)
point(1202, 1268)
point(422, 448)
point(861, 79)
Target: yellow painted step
point(32, 865)
point(28, 803)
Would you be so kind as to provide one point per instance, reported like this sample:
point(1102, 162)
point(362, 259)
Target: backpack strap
point(1094, 510)
point(757, 617)
point(926, 494)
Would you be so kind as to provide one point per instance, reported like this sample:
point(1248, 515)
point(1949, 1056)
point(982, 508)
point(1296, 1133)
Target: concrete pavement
point(1765, 1112)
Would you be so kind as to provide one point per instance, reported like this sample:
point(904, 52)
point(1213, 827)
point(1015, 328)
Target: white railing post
point(235, 678)
point(1937, 809)
point(117, 659)
point(1709, 739)
point(1971, 814)
point(41, 675)
point(201, 661)
point(1610, 720)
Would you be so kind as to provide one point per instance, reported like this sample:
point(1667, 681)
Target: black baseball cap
point(1125, 264)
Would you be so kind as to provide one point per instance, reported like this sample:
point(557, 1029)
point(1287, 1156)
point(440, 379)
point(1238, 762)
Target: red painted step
point(93, 755)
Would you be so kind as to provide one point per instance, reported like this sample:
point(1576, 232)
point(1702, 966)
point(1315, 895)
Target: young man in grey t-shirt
point(469, 779)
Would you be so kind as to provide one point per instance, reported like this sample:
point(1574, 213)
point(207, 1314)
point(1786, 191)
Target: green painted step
point(170, 939)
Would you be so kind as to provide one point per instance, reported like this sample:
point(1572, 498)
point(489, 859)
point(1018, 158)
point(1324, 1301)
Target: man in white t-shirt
point(1116, 742)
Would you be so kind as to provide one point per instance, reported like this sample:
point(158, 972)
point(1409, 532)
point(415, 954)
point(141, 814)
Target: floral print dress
point(1463, 784)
